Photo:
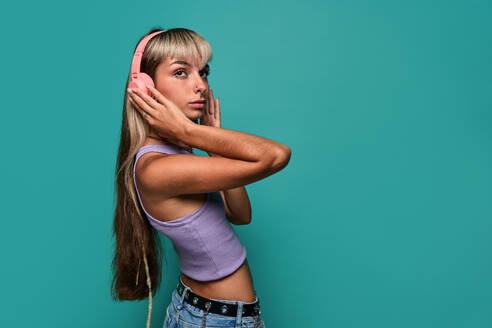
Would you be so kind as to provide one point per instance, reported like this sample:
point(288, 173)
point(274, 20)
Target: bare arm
point(235, 144)
point(246, 157)
point(178, 174)
point(237, 205)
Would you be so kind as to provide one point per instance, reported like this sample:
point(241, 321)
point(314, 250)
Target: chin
point(197, 115)
point(194, 116)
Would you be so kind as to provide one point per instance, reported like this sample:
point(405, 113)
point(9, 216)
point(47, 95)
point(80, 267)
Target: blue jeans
point(182, 314)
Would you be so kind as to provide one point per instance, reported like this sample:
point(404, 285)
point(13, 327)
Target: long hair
point(138, 250)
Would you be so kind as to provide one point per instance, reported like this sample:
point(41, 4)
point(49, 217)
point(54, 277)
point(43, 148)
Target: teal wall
point(382, 218)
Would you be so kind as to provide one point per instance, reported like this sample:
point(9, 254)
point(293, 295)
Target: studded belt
point(211, 306)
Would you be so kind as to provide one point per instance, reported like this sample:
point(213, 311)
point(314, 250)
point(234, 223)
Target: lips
point(197, 105)
point(198, 102)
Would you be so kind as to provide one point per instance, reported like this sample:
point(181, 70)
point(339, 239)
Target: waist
point(238, 286)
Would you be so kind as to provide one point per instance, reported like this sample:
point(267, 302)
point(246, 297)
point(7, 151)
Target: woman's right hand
point(163, 115)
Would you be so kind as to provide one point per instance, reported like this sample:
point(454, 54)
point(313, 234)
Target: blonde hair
point(136, 240)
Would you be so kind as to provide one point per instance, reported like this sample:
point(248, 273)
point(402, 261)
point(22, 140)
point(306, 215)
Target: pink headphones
point(141, 80)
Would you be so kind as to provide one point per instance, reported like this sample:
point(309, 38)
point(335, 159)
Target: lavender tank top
point(207, 245)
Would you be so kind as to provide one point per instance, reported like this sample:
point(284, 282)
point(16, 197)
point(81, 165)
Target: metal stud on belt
point(204, 319)
point(257, 312)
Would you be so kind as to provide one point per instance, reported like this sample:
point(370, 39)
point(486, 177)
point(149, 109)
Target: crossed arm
point(237, 205)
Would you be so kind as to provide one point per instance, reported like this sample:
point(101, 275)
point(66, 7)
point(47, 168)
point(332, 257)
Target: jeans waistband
point(236, 309)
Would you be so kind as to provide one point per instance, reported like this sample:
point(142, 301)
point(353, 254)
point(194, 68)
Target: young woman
point(162, 186)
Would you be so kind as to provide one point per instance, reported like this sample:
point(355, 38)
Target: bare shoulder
point(145, 160)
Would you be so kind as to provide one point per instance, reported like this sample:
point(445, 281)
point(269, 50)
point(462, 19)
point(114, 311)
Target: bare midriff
point(238, 286)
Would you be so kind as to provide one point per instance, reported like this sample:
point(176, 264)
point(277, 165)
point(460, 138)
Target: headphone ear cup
point(141, 83)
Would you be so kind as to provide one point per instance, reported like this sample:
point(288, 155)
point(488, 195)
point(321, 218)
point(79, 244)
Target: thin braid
point(138, 271)
point(150, 288)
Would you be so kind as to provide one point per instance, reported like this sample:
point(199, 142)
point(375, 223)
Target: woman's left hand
point(211, 114)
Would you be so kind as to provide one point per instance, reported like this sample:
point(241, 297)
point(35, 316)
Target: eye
point(181, 70)
point(204, 73)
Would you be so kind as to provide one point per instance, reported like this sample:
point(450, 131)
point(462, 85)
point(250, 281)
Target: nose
point(200, 84)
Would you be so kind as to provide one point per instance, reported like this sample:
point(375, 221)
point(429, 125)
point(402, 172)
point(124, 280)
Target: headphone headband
point(141, 80)
point(137, 57)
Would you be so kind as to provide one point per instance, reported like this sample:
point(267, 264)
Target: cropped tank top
point(204, 240)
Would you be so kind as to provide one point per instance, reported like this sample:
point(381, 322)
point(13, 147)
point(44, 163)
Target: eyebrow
point(182, 62)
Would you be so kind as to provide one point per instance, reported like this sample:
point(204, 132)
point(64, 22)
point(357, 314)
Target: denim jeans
point(182, 314)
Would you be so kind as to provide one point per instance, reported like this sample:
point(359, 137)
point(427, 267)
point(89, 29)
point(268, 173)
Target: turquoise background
point(381, 219)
